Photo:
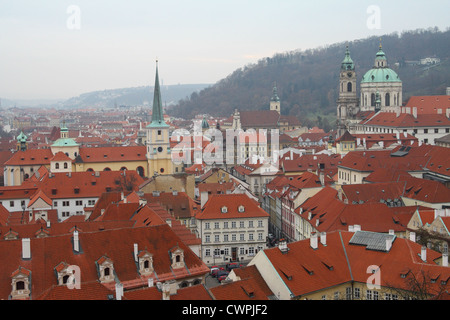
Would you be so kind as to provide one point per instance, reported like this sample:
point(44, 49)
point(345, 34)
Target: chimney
point(423, 253)
point(119, 291)
point(447, 113)
point(414, 112)
point(282, 245)
point(150, 282)
point(391, 232)
point(412, 236)
point(76, 242)
point(166, 291)
point(357, 227)
point(48, 223)
point(445, 259)
point(322, 178)
point(136, 252)
point(388, 244)
point(351, 229)
point(323, 238)
point(102, 211)
point(26, 248)
point(313, 241)
point(175, 192)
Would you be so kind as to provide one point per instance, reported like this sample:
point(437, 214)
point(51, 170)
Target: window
point(207, 252)
point(65, 165)
point(207, 225)
point(233, 224)
point(55, 203)
point(216, 238)
point(91, 202)
point(216, 225)
point(349, 87)
point(425, 130)
point(387, 100)
point(65, 203)
point(57, 166)
point(251, 251)
point(207, 238)
point(250, 224)
point(348, 293)
point(241, 224)
point(250, 236)
point(357, 293)
point(79, 202)
point(20, 285)
point(11, 204)
point(225, 225)
point(225, 238)
point(233, 237)
point(260, 223)
point(436, 130)
point(260, 236)
point(241, 237)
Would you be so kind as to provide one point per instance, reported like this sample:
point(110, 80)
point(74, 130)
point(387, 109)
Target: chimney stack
point(136, 252)
point(282, 245)
point(26, 248)
point(313, 241)
point(119, 291)
point(323, 238)
point(150, 282)
point(412, 236)
point(445, 259)
point(388, 244)
point(166, 291)
point(423, 253)
point(76, 242)
point(357, 227)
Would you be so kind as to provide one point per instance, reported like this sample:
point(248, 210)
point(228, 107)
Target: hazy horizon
point(58, 50)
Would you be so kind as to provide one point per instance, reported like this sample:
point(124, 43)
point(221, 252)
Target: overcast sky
point(59, 49)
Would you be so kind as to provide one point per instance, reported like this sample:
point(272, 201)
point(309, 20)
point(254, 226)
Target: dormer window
point(20, 284)
point(145, 263)
point(241, 209)
point(177, 257)
point(105, 269)
point(224, 209)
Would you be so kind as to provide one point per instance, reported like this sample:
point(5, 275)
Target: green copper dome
point(380, 72)
point(376, 75)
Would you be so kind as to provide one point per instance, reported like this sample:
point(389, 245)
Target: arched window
point(57, 165)
point(387, 100)
point(90, 170)
point(65, 165)
point(140, 171)
point(106, 272)
point(349, 87)
point(107, 169)
point(372, 100)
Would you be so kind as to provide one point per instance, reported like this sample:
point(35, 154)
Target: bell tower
point(275, 100)
point(158, 140)
point(347, 103)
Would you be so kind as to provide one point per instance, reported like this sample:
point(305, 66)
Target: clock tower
point(347, 103)
point(158, 140)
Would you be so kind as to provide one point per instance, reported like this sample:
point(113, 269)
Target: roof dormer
point(21, 284)
point(145, 263)
point(177, 257)
point(105, 269)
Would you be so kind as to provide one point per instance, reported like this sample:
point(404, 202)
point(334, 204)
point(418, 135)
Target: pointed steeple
point(157, 111)
point(347, 63)
point(275, 93)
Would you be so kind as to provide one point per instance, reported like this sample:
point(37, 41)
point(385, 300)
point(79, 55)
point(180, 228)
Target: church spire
point(157, 111)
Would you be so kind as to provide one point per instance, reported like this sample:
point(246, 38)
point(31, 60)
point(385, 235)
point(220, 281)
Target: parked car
point(222, 277)
point(233, 265)
point(221, 273)
point(215, 270)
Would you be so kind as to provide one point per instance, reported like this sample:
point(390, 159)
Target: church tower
point(22, 143)
point(347, 103)
point(158, 140)
point(275, 100)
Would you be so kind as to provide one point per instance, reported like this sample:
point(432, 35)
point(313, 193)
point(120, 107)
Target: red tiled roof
point(197, 292)
point(251, 286)
point(60, 156)
point(390, 119)
point(305, 270)
point(213, 208)
point(429, 104)
point(117, 245)
point(30, 157)
point(108, 154)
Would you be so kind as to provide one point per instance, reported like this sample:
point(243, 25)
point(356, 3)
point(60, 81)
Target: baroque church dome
point(380, 71)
